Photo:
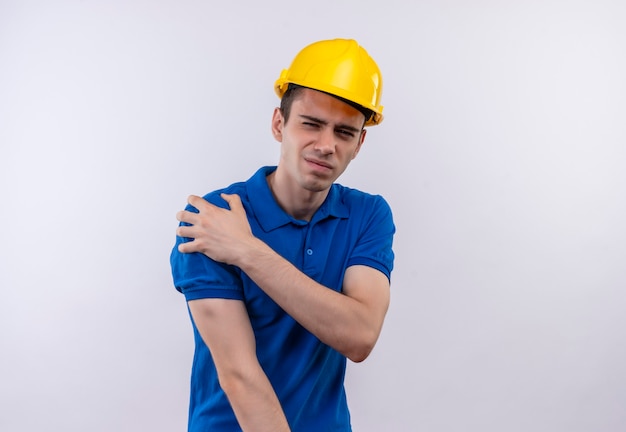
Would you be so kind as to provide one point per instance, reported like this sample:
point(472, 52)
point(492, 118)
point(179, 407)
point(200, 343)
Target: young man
point(287, 274)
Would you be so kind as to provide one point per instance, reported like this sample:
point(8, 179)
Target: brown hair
point(294, 90)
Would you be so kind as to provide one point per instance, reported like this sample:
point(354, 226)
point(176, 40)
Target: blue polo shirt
point(350, 228)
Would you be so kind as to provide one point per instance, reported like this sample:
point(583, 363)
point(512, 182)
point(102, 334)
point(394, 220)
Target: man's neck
point(301, 204)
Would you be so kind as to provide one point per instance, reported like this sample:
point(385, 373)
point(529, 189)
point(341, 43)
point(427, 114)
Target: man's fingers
point(196, 201)
point(184, 231)
point(187, 247)
point(190, 217)
point(186, 216)
point(233, 200)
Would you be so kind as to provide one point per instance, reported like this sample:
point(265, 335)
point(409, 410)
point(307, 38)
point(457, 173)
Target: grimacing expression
point(319, 140)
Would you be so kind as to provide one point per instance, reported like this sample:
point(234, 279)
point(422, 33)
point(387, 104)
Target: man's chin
point(318, 184)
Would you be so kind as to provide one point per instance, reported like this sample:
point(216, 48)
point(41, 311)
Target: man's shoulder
point(214, 197)
point(245, 189)
point(356, 197)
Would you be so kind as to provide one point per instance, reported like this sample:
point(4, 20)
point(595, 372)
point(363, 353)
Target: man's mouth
point(319, 163)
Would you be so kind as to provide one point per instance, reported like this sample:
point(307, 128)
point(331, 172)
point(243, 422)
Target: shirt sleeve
point(198, 276)
point(375, 245)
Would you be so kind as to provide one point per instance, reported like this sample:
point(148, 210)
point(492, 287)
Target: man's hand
point(220, 234)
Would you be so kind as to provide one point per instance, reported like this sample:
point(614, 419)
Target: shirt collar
point(269, 214)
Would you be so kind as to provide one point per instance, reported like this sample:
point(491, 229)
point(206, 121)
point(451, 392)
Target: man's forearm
point(254, 402)
point(338, 320)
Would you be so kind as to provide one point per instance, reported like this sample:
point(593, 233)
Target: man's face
point(321, 137)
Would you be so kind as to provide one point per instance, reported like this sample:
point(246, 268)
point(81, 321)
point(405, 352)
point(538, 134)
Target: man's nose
point(326, 142)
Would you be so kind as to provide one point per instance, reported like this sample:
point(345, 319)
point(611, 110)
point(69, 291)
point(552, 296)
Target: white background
point(503, 155)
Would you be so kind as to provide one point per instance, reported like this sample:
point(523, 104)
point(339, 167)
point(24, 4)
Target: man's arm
point(350, 321)
point(225, 328)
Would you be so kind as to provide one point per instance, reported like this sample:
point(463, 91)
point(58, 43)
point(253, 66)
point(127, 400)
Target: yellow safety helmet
point(341, 68)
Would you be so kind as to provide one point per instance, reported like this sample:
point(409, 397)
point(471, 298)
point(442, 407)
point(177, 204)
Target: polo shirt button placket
point(309, 251)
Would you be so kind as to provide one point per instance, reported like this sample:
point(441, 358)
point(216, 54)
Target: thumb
point(233, 200)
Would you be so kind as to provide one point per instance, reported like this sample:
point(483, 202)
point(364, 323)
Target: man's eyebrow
point(324, 122)
point(313, 119)
point(348, 127)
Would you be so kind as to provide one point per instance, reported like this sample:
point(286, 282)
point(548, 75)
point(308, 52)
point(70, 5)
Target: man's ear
point(278, 122)
point(361, 140)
